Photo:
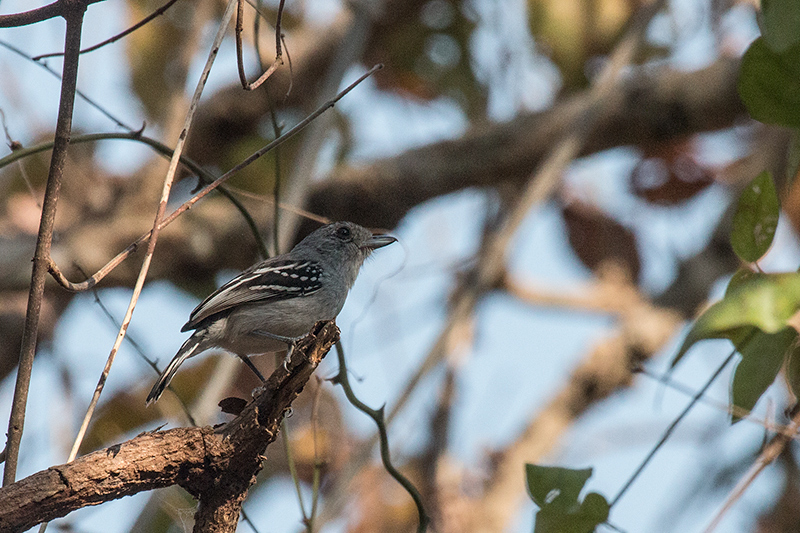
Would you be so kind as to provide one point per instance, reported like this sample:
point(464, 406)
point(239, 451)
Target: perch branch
point(204, 461)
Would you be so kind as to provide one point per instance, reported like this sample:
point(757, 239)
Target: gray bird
point(273, 304)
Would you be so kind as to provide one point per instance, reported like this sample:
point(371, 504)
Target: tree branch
point(60, 8)
point(217, 466)
point(157, 13)
point(73, 13)
point(278, 50)
point(641, 110)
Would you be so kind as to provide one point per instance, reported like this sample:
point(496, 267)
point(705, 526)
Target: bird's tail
point(188, 349)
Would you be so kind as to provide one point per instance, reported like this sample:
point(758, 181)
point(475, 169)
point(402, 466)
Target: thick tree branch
point(216, 466)
point(146, 462)
point(644, 109)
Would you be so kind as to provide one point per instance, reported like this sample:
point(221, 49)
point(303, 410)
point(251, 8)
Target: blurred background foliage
point(440, 146)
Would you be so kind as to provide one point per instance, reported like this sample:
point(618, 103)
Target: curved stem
point(278, 50)
point(377, 416)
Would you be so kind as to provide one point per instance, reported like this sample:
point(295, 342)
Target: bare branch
point(770, 452)
point(158, 12)
point(278, 49)
point(78, 92)
point(41, 259)
point(119, 258)
point(161, 149)
point(59, 8)
point(210, 464)
point(377, 415)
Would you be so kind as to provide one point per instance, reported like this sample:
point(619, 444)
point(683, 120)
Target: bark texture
point(216, 465)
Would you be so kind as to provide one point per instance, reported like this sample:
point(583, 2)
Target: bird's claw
point(289, 353)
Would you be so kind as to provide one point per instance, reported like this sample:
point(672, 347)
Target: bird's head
point(344, 243)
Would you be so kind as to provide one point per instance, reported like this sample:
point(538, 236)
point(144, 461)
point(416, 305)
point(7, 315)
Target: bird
point(274, 303)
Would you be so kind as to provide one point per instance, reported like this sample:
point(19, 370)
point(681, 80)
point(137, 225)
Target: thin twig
point(73, 13)
point(378, 417)
point(671, 428)
point(731, 409)
point(59, 8)
point(257, 32)
point(770, 452)
point(278, 50)
point(140, 352)
point(12, 144)
point(158, 12)
point(246, 519)
point(111, 265)
point(282, 205)
point(173, 167)
point(315, 478)
point(15, 145)
point(287, 449)
point(78, 92)
point(190, 164)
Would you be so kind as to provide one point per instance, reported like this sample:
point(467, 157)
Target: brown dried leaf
point(596, 238)
point(669, 174)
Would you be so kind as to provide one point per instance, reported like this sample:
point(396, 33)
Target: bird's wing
point(271, 280)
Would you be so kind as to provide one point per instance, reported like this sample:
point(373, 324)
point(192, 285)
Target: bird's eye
point(343, 233)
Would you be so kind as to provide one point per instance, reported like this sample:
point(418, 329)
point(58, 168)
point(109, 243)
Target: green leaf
point(555, 486)
point(556, 490)
point(700, 333)
point(780, 23)
point(585, 520)
point(756, 218)
point(769, 84)
point(762, 358)
point(764, 301)
point(595, 508)
point(739, 277)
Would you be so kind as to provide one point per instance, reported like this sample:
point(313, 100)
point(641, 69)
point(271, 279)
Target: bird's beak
point(379, 241)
